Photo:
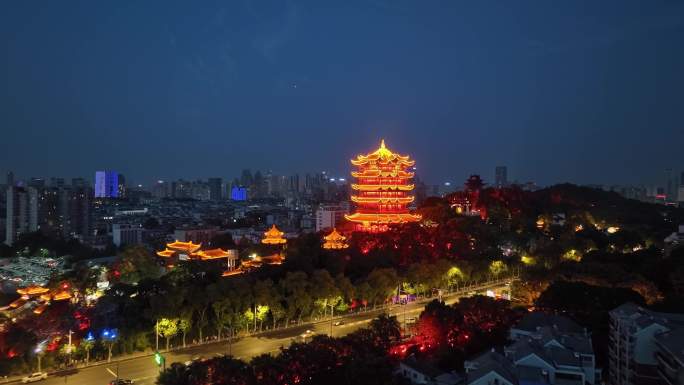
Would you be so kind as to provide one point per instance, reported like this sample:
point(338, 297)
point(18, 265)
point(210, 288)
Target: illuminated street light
point(109, 335)
point(39, 350)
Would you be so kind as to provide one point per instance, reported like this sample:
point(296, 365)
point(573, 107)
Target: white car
point(33, 377)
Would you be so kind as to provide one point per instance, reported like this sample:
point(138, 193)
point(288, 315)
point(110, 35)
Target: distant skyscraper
point(64, 211)
point(37, 182)
point(160, 190)
point(57, 182)
point(121, 186)
point(215, 189)
point(246, 178)
point(78, 182)
point(10, 178)
point(501, 177)
point(18, 213)
point(106, 184)
point(669, 186)
point(238, 193)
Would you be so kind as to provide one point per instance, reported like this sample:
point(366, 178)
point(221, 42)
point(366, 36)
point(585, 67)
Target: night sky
point(586, 92)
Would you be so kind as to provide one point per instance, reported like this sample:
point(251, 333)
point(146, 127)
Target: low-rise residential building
point(422, 373)
point(546, 349)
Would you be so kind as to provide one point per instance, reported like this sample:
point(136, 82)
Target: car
point(120, 381)
point(68, 371)
point(33, 377)
point(338, 323)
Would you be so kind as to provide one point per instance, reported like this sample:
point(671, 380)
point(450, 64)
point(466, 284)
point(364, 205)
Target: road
point(144, 371)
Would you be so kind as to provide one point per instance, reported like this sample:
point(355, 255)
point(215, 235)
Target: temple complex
point(184, 251)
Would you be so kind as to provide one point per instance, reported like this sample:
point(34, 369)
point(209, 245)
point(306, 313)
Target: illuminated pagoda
point(273, 237)
point(335, 241)
point(383, 190)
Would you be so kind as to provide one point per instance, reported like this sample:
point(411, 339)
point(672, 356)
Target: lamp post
point(89, 340)
point(332, 315)
point(109, 336)
point(69, 348)
point(40, 348)
point(255, 317)
point(156, 335)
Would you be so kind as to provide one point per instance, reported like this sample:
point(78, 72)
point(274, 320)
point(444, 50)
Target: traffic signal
point(158, 358)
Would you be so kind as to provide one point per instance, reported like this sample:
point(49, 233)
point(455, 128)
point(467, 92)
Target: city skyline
point(556, 94)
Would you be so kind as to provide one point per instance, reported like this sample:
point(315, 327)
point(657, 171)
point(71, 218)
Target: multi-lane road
point(143, 370)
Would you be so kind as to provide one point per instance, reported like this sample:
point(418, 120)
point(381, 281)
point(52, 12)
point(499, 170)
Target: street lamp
point(69, 348)
point(39, 350)
point(89, 340)
point(110, 336)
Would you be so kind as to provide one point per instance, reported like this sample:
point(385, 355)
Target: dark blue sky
point(581, 91)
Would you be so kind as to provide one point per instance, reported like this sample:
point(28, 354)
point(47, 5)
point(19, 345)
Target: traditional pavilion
point(335, 241)
point(274, 237)
point(383, 190)
point(183, 251)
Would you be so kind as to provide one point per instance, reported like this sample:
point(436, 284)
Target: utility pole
point(69, 348)
point(332, 315)
point(156, 334)
point(255, 316)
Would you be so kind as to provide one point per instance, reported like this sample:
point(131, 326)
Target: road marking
point(144, 378)
point(110, 372)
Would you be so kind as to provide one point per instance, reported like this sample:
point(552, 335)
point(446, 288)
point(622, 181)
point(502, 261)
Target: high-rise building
point(501, 176)
point(200, 191)
point(75, 205)
point(37, 182)
point(106, 184)
point(246, 178)
point(78, 182)
point(160, 190)
point(215, 189)
point(121, 186)
point(181, 189)
point(383, 190)
point(641, 346)
point(57, 182)
point(238, 193)
point(56, 211)
point(18, 213)
point(669, 185)
point(10, 178)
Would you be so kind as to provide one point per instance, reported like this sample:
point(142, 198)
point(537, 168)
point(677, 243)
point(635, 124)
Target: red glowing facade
point(383, 190)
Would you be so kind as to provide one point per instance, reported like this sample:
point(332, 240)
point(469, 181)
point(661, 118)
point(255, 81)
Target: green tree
point(87, 345)
point(383, 283)
point(297, 295)
point(184, 325)
point(326, 293)
point(167, 328)
point(137, 263)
